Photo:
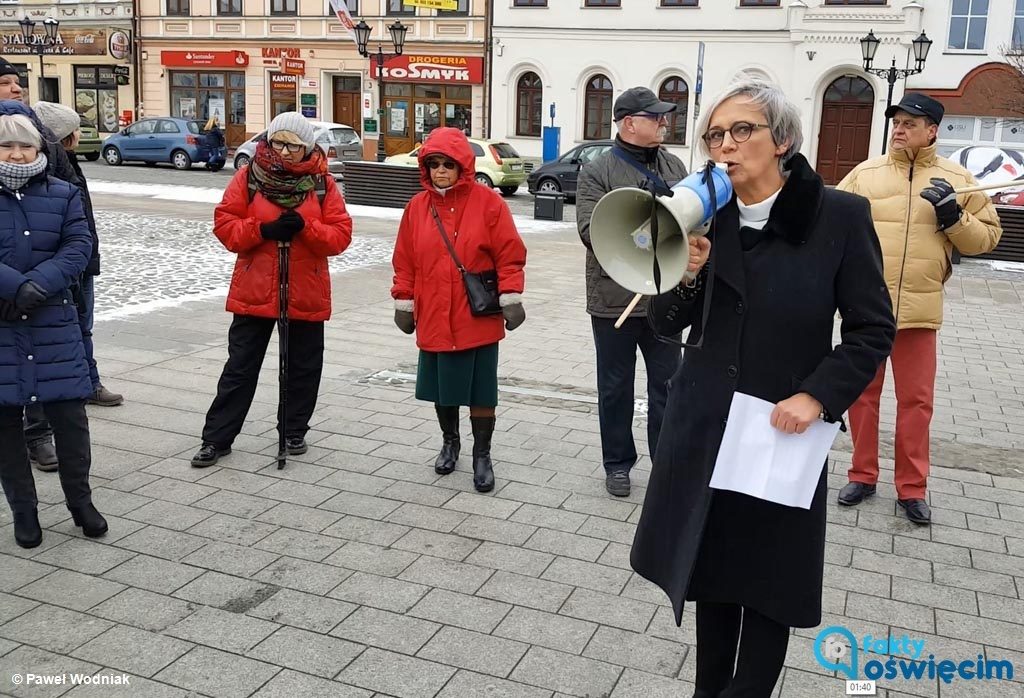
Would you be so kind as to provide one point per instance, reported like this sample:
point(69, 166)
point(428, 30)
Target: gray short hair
point(781, 115)
point(18, 128)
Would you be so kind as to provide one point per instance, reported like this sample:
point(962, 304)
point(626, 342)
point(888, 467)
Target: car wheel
point(111, 155)
point(548, 186)
point(241, 161)
point(483, 179)
point(509, 191)
point(181, 160)
point(92, 157)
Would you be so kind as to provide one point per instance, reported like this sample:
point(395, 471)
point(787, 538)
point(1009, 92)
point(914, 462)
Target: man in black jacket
point(636, 160)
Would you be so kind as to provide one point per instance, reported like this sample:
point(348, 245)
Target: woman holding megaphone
point(787, 254)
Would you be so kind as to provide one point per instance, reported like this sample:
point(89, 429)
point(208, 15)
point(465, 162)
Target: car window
point(591, 153)
point(568, 157)
point(341, 136)
point(477, 150)
point(194, 126)
point(143, 128)
point(505, 150)
point(167, 126)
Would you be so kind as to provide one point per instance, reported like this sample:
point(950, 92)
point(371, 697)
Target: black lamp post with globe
point(49, 38)
point(869, 45)
point(397, 31)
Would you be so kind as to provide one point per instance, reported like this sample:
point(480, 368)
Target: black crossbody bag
point(481, 287)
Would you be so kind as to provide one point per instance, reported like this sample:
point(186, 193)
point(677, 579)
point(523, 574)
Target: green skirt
point(459, 378)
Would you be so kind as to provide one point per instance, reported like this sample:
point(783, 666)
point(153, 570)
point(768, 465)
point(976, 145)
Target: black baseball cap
point(917, 104)
point(6, 68)
point(640, 99)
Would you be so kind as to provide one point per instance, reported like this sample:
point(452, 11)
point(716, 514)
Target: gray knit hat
point(296, 123)
point(63, 121)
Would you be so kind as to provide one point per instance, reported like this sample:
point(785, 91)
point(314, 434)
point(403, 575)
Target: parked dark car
point(163, 139)
point(562, 174)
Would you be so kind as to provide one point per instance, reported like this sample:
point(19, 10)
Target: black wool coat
point(768, 334)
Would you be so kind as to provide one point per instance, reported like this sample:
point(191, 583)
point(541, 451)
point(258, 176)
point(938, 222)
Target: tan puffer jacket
point(915, 253)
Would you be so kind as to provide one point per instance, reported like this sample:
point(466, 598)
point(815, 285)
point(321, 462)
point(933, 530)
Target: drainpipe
point(489, 57)
point(137, 57)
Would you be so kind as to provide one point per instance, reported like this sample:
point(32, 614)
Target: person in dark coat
point(43, 249)
point(789, 254)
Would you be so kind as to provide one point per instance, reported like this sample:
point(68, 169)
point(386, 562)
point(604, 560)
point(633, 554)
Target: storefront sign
point(369, 126)
point(307, 99)
point(412, 68)
point(281, 81)
point(309, 112)
point(204, 59)
point(434, 4)
point(82, 41)
point(293, 66)
point(120, 45)
point(310, 83)
point(367, 105)
point(275, 52)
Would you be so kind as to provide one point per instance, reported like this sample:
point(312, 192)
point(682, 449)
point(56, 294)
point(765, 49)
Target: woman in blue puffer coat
point(45, 245)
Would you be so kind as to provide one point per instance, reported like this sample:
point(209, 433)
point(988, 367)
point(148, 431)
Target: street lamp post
point(869, 45)
point(397, 31)
point(49, 38)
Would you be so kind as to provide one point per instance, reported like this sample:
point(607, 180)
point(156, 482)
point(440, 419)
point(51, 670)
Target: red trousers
point(913, 369)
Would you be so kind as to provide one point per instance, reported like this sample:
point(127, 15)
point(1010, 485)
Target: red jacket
point(484, 235)
point(254, 283)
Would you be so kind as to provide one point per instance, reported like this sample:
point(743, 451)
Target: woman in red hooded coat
point(458, 362)
point(286, 195)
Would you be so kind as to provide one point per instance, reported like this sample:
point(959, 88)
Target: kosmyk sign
point(438, 69)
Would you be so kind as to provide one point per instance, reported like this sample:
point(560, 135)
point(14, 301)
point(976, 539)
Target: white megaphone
point(620, 231)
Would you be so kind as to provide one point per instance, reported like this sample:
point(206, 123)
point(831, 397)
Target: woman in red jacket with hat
point(285, 195)
point(458, 362)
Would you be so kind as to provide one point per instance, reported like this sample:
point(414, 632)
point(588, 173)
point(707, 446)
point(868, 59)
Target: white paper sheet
point(759, 460)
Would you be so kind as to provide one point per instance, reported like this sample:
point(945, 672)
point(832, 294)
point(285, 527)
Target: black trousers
point(71, 439)
point(762, 651)
point(247, 347)
point(616, 371)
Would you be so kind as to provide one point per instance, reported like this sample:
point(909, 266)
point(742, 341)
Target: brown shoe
point(105, 398)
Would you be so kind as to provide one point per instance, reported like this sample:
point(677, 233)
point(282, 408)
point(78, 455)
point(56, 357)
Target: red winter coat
point(481, 229)
point(254, 283)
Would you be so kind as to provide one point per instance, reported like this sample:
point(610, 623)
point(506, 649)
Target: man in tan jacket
point(919, 219)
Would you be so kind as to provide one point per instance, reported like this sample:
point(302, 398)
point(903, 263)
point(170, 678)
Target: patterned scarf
point(14, 176)
point(284, 183)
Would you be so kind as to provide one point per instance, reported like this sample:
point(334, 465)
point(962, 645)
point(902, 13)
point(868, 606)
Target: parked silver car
point(339, 141)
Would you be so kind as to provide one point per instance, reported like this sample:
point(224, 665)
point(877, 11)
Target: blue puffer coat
point(44, 237)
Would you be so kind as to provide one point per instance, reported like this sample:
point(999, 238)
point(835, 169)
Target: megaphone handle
point(629, 309)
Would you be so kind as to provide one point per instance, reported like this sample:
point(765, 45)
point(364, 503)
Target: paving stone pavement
point(357, 571)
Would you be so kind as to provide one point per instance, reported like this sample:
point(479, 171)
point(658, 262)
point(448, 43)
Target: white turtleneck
point(756, 215)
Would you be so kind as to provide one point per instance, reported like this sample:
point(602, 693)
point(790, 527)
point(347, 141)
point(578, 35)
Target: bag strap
point(662, 188)
point(447, 242)
point(321, 189)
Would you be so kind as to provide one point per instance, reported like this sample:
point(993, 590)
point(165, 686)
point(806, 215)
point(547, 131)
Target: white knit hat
point(296, 123)
point(63, 121)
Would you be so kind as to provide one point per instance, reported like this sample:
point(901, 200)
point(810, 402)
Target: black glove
point(405, 321)
point(941, 195)
point(29, 297)
point(515, 315)
point(287, 225)
point(8, 313)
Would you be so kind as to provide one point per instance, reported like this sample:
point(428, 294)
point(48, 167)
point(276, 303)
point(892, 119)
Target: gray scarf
point(14, 176)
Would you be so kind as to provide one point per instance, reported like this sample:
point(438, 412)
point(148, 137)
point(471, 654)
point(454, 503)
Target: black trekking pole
point(283, 250)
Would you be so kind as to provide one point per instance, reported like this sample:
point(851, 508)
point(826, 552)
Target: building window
point(675, 90)
point(396, 8)
point(229, 8)
point(759, 3)
point(602, 3)
point(1017, 38)
point(529, 99)
point(283, 7)
point(529, 3)
point(178, 8)
point(967, 24)
point(462, 10)
point(680, 3)
point(597, 116)
point(96, 95)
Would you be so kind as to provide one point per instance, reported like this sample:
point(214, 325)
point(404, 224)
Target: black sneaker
point(617, 483)
point(208, 455)
point(917, 510)
point(855, 493)
point(295, 445)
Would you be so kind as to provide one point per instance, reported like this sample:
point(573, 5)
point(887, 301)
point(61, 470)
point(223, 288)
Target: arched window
point(597, 115)
point(675, 90)
point(529, 96)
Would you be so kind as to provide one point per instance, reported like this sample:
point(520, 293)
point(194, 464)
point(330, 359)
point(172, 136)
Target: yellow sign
point(435, 4)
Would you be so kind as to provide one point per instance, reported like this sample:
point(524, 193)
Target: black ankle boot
point(483, 471)
point(448, 418)
point(27, 532)
point(91, 522)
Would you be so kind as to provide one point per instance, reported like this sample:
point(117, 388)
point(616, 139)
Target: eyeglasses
point(281, 146)
point(655, 117)
point(446, 164)
point(741, 132)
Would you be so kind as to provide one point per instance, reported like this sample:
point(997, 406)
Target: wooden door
point(347, 111)
point(844, 136)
